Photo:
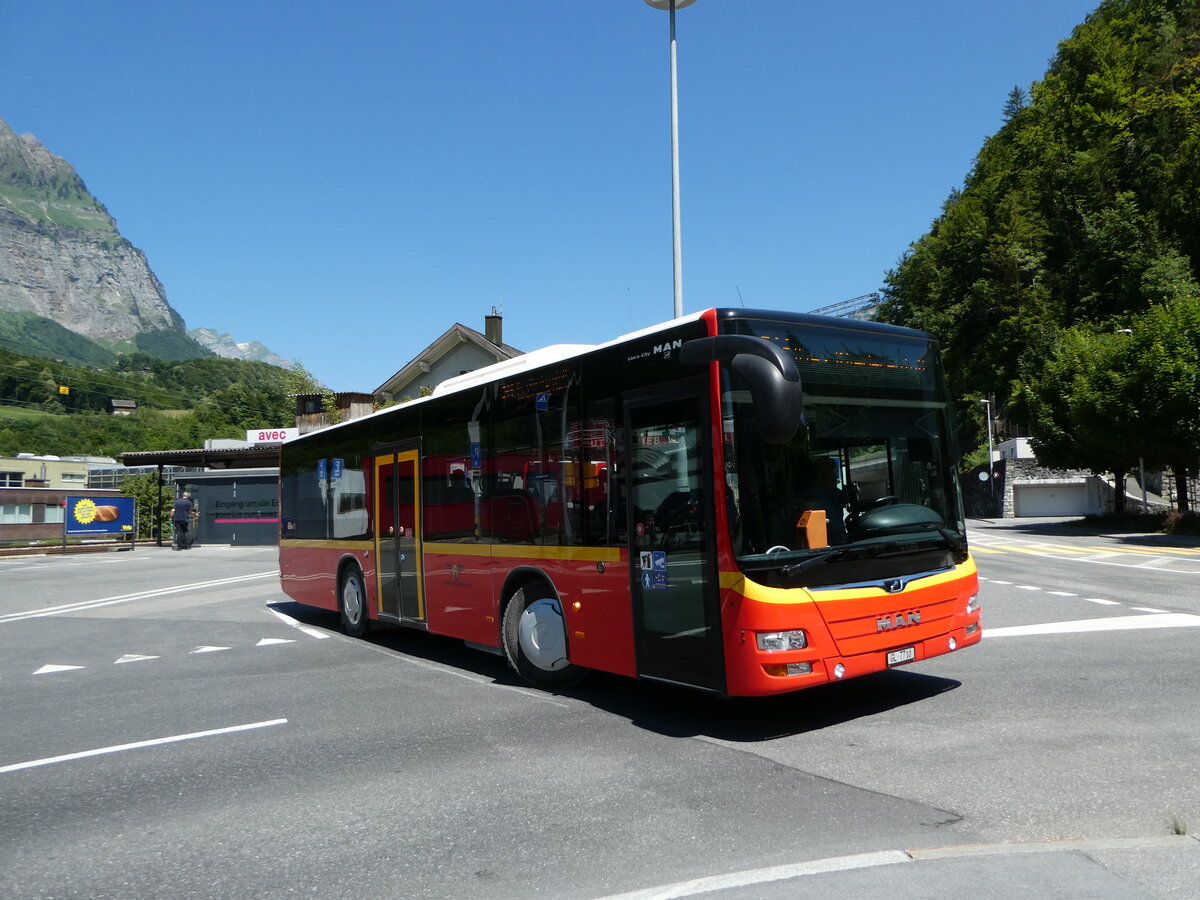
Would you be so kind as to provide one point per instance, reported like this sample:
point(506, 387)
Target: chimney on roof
point(493, 327)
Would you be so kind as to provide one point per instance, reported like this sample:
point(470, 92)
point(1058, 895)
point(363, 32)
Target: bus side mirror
point(770, 373)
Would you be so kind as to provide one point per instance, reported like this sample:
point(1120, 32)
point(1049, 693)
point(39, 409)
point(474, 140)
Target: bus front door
point(398, 536)
point(671, 542)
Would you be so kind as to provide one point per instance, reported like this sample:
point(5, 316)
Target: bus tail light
point(774, 641)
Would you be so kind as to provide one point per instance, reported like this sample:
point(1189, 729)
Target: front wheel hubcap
point(543, 635)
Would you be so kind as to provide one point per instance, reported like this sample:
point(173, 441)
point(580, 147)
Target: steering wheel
point(779, 548)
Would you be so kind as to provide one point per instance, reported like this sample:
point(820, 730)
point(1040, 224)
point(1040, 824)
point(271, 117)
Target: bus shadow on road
point(667, 709)
point(677, 712)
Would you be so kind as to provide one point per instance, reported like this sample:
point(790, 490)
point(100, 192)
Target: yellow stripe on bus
point(754, 591)
point(297, 544)
point(505, 551)
point(526, 551)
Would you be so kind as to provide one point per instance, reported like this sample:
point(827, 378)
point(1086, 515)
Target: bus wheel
point(352, 603)
point(535, 639)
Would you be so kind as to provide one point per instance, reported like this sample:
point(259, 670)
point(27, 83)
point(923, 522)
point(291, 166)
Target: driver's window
point(824, 505)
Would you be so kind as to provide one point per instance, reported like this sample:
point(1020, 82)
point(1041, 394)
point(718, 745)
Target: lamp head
point(666, 4)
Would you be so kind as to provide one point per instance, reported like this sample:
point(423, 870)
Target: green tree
point(1162, 361)
point(1077, 404)
point(153, 504)
point(1108, 401)
point(1078, 215)
point(1017, 101)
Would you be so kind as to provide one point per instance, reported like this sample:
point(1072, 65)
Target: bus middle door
point(398, 535)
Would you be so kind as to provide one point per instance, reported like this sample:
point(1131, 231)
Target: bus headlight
point(774, 641)
point(973, 604)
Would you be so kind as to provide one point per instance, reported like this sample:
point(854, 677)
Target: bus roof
point(545, 356)
point(558, 352)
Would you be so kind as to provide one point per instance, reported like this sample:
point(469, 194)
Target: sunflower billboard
point(98, 515)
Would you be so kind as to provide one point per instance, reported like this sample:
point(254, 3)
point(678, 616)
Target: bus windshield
point(867, 486)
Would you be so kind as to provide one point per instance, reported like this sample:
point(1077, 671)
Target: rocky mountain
point(62, 257)
point(224, 345)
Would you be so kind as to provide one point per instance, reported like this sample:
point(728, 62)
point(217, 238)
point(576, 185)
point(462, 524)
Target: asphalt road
point(174, 727)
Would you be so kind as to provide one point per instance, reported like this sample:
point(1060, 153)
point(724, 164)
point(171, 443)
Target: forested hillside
point(1074, 242)
point(57, 408)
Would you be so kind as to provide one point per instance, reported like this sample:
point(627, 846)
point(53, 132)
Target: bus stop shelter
point(237, 494)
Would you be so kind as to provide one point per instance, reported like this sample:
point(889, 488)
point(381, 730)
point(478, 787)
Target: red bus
point(739, 501)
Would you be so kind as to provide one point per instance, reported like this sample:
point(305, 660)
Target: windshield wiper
point(956, 544)
point(858, 551)
point(797, 567)
point(861, 551)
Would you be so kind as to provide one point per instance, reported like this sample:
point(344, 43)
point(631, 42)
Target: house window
point(12, 479)
point(54, 514)
point(16, 513)
point(77, 477)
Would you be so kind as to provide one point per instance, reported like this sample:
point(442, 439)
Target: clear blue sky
point(343, 181)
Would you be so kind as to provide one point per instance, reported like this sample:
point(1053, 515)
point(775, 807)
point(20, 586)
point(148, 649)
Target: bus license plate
point(896, 657)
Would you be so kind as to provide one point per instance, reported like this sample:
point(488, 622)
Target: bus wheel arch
point(533, 633)
point(352, 598)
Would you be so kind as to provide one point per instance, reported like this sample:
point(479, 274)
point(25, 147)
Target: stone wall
point(997, 500)
point(1028, 471)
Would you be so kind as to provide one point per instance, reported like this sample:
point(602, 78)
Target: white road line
point(1119, 623)
point(749, 877)
point(480, 680)
point(267, 641)
point(134, 657)
point(1061, 594)
point(119, 748)
point(311, 632)
point(1149, 609)
point(1157, 562)
point(994, 581)
point(125, 598)
point(1027, 587)
point(895, 857)
point(54, 668)
point(1102, 602)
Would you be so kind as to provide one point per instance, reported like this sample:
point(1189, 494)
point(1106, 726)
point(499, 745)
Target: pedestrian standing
point(181, 518)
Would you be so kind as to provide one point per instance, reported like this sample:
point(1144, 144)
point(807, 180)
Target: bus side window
point(522, 500)
point(596, 500)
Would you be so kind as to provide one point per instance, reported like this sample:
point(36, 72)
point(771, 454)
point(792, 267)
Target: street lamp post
point(677, 242)
point(991, 475)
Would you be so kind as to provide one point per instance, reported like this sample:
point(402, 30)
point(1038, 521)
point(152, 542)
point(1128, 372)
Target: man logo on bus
point(900, 620)
point(664, 350)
